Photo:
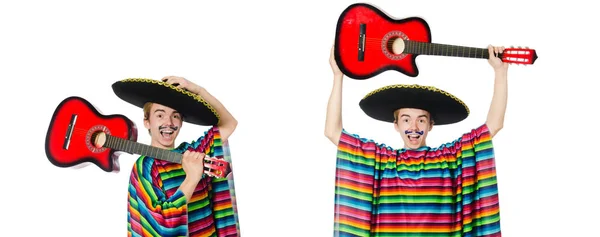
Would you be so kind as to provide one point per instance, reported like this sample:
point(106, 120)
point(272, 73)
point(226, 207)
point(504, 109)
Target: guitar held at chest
point(78, 133)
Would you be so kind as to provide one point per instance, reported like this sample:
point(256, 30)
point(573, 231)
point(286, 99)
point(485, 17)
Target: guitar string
point(433, 48)
point(371, 39)
point(83, 132)
point(454, 50)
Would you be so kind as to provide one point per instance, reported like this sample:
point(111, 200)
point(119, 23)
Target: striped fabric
point(158, 208)
point(446, 191)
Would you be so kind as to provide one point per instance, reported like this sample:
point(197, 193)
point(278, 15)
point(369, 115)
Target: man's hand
point(494, 61)
point(334, 67)
point(333, 118)
point(182, 83)
point(495, 119)
point(193, 164)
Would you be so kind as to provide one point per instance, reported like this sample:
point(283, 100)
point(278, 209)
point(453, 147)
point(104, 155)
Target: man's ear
point(147, 126)
point(396, 126)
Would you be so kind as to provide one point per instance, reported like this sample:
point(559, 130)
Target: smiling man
point(449, 190)
point(414, 124)
point(172, 199)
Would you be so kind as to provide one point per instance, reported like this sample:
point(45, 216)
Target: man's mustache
point(174, 128)
point(411, 132)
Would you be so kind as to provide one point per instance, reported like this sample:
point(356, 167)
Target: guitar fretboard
point(142, 149)
point(415, 47)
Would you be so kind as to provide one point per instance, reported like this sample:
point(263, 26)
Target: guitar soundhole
point(91, 136)
point(388, 41)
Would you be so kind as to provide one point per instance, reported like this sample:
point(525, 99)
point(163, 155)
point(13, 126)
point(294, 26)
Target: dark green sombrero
point(138, 91)
point(444, 107)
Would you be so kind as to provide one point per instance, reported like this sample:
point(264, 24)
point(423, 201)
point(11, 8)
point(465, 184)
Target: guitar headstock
point(214, 167)
point(523, 56)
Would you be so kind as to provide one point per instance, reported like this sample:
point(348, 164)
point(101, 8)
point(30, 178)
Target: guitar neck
point(415, 47)
point(142, 149)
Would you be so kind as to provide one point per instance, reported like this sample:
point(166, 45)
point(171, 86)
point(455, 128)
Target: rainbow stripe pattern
point(446, 191)
point(157, 208)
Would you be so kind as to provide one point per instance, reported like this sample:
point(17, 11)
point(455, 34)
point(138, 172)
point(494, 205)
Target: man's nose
point(170, 121)
point(413, 126)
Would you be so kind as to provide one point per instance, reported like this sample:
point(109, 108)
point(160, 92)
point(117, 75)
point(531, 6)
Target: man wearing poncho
point(418, 190)
point(172, 199)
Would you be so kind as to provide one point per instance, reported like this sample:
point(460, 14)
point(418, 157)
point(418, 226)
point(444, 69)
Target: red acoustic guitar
point(369, 42)
point(76, 124)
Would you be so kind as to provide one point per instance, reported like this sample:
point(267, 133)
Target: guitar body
point(379, 32)
point(72, 128)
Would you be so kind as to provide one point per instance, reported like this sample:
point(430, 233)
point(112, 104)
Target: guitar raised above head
point(78, 133)
point(369, 42)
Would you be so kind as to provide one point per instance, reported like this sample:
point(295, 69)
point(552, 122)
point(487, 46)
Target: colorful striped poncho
point(446, 191)
point(156, 207)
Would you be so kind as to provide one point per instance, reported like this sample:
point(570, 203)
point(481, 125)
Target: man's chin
point(413, 144)
point(166, 142)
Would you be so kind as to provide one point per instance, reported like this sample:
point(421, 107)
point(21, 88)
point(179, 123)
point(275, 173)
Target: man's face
point(413, 125)
point(164, 124)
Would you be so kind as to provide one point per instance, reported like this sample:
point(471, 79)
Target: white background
point(267, 62)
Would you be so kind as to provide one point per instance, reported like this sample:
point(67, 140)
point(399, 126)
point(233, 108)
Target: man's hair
point(147, 107)
point(431, 122)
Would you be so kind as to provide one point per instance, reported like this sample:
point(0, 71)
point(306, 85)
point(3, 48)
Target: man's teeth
point(414, 136)
point(166, 132)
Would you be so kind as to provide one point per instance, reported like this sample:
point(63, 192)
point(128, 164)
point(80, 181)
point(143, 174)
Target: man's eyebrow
point(406, 115)
point(162, 110)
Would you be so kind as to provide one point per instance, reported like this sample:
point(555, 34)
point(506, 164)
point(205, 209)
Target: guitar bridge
point(69, 133)
point(361, 42)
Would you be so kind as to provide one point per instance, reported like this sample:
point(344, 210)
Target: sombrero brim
point(194, 109)
point(444, 108)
